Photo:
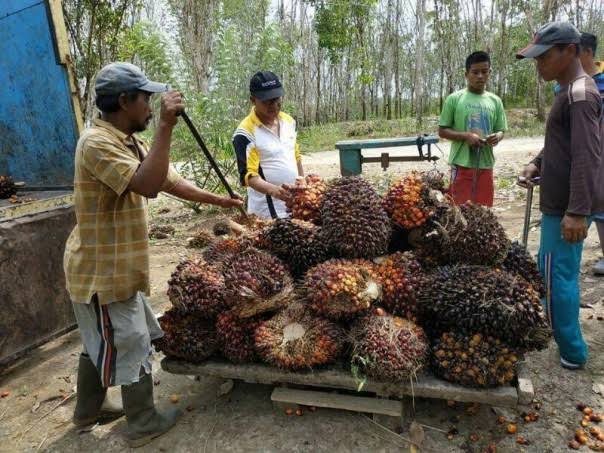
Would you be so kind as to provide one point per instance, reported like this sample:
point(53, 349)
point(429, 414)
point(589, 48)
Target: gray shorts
point(117, 337)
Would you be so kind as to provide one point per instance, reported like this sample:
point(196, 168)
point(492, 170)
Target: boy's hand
point(281, 193)
point(574, 228)
point(473, 139)
point(494, 139)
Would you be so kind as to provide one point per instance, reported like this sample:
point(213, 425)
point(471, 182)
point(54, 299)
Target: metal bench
point(352, 159)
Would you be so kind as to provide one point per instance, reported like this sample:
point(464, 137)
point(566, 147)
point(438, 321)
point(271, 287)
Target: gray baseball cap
point(117, 78)
point(548, 36)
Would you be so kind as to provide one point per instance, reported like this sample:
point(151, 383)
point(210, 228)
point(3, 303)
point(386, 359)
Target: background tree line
point(339, 60)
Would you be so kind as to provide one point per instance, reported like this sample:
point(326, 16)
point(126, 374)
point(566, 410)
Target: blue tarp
point(38, 130)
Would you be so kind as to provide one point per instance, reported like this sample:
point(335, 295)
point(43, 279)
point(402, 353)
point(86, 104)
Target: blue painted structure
point(38, 129)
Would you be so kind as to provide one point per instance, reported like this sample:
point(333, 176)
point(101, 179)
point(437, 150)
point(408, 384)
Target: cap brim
point(533, 50)
point(270, 94)
point(154, 87)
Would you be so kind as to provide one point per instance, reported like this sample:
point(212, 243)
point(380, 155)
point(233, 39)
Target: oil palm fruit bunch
point(388, 348)
point(401, 277)
point(256, 282)
point(341, 289)
point(410, 201)
point(355, 225)
point(7, 187)
point(297, 242)
point(306, 197)
point(295, 339)
point(236, 336)
point(200, 239)
point(223, 249)
point(187, 336)
point(519, 262)
point(478, 299)
point(484, 241)
point(474, 360)
point(197, 287)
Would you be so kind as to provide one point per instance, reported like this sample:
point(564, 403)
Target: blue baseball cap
point(117, 78)
point(548, 36)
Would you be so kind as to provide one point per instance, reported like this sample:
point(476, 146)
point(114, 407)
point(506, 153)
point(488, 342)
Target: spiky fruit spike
point(469, 299)
point(520, 263)
point(388, 348)
point(295, 339)
point(306, 198)
point(402, 279)
point(341, 289)
point(254, 275)
point(236, 337)
point(355, 225)
point(7, 187)
point(474, 360)
point(223, 249)
point(297, 242)
point(200, 239)
point(197, 287)
point(186, 336)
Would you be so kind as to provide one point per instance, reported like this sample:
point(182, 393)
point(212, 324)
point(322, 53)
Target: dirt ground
point(34, 417)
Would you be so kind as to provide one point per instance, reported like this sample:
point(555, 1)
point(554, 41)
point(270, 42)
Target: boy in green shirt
point(474, 120)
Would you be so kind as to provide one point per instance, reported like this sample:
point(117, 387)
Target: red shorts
point(462, 185)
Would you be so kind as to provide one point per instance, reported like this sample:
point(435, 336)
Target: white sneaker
point(599, 267)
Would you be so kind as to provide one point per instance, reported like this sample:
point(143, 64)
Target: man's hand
point(171, 106)
point(473, 139)
point(529, 172)
point(494, 139)
point(574, 228)
point(282, 192)
point(228, 202)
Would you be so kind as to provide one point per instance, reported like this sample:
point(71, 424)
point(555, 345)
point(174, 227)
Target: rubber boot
point(144, 422)
point(91, 395)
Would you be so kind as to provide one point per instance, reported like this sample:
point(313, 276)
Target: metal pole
point(211, 159)
point(527, 210)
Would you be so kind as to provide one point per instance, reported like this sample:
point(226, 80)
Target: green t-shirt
point(482, 114)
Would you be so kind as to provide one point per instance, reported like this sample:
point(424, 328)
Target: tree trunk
point(419, 61)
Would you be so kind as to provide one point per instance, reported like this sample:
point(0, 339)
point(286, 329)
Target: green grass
point(323, 137)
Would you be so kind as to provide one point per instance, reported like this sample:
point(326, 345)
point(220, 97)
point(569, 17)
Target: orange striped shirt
point(107, 253)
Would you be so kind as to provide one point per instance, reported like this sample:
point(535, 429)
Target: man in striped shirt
point(106, 258)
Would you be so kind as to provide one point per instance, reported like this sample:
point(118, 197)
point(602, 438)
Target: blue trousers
point(560, 264)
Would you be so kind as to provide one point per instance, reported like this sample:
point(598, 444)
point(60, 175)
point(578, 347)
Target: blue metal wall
point(38, 131)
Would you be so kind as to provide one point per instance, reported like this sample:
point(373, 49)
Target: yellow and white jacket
point(260, 152)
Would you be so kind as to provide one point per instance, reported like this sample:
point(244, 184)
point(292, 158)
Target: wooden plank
point(526, 391)
point(336, 401)
point(383, 142)
point(426, 385)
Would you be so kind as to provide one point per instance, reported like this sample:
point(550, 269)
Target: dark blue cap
point(265, 85)
point(117, 78)
point(548, 36)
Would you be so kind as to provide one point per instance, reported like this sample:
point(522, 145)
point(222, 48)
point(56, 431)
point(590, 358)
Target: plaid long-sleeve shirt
point(107, 253)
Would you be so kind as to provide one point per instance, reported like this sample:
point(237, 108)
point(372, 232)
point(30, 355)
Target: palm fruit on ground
point(161, 231)
point(187, 336)
point(223, 249)
point(519, 262)
point(473, 360)
point(256, 282)
point(295, 339)
point(355, 225)
point(7, 187)
point(297, 242)
point(341, 289)
point(197, 287)
point(388, 348)
point(306, 197)
point(401, 277)
point(412, 200)
point(478, 299)
point(200, 239)
point(236, 336)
